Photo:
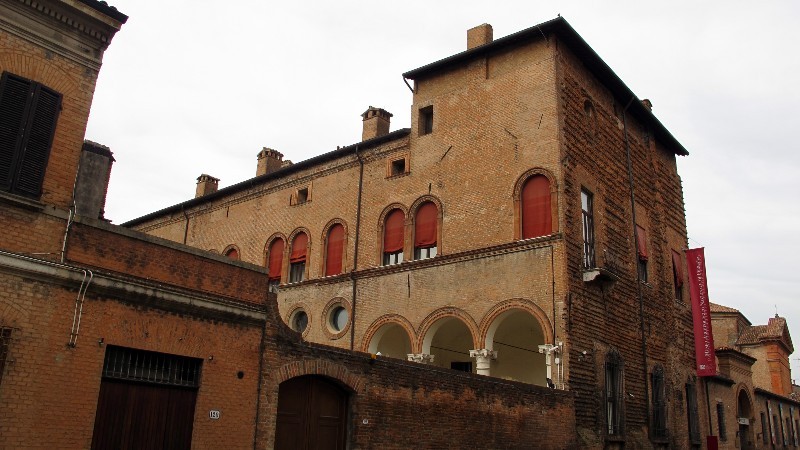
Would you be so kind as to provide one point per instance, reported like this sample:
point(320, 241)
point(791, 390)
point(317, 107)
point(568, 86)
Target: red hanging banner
point(701, 313)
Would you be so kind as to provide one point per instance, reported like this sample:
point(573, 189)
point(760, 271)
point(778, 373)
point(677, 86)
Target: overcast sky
point(200, 87)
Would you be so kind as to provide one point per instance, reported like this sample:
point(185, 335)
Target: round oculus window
point(299, 321)
point(339, 318)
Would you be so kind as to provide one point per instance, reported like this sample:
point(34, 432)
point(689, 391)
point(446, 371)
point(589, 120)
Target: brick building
point(526, 228)
point(752, 404)
point(529, 226)
point(111, 338)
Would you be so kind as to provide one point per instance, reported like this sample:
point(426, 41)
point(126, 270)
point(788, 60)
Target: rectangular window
point(297, 271)
point(28, 114)
point(587, 208)
point(693, 416)
point(723, 434)
point(641, 253)
point(302, 195)
point(424, 253)
point(659, 404)
point(398, 167)
point(677, 275)
point(764, 432)
point(613, 397)
point(426, 120)
point(392, 258)
point(5, 344)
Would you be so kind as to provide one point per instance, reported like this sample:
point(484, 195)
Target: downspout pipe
point(631, 185)
point(186, 228)
point(355, 252)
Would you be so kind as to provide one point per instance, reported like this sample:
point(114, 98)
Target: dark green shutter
point(14, 95)
point(28, 115)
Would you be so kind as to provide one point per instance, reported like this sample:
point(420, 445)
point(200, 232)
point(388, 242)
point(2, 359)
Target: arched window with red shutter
point(275, 261)
point(232, 253)
point(393, 234)
point(334, 246)
point(535, 204)
point(297, 259)
point(426, 231)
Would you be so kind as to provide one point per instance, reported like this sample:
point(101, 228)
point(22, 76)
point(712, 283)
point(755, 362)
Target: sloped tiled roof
point(775, 329)
point(721, 308)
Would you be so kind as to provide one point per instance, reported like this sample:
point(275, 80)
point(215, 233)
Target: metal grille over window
point(151, 367)
point(588, 229)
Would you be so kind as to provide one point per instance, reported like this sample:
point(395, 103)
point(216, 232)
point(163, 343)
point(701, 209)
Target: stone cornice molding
point(69, 28)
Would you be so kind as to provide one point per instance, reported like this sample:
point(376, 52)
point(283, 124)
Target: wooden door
point(143, 416)
point(312, 415)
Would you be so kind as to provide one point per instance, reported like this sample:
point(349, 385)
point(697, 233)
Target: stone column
point(422, 358)
point(483, 360)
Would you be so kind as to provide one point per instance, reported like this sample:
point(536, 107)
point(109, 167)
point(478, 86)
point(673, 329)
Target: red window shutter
point(677, 268)
point(393, 232)
point(641, 243)
point(536, 219)
point(233, 254)
point(299, 246)
point(275, 259)
point(333, 258)
point(426, 226)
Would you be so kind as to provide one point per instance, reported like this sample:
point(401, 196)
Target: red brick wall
point(49, 391)
point(134, 256)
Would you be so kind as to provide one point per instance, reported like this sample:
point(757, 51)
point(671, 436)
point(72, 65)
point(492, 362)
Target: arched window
point(536, 211)
point(393, 233)
point(334, 244)
point(275, 262)
point(232, 253)
point(426, 231)
point(297, 260)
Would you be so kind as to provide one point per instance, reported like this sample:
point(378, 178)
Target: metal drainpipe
point(76, 315)
point(635, 256)
point(186, 228)
point(355, 252)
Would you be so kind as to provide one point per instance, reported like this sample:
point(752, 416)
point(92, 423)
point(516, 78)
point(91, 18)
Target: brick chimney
point(206, 184)
point(269, 161)
point(376, 123)
point(480, 35)
point(91, 186)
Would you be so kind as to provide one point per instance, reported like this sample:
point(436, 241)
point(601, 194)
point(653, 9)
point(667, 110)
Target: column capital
point(422, 358)
point(483, 353)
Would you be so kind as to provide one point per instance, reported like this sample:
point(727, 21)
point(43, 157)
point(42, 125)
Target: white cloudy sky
point(191, 87)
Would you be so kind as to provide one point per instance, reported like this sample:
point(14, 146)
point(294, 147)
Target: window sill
point(22, 202)
point(399, 175)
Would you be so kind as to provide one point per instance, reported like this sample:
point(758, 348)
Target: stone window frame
point(381, 227)
point(390, 165)
point(292, 314)
point(324, 249)
point(613, 389)
point(232, 248)
point(286, 268)
point(516, 197)
point(411, 220)
point(301, 195)
point(327, 311)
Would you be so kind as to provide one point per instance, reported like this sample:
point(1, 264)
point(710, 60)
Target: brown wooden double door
point(312, 415)
point(143, 416)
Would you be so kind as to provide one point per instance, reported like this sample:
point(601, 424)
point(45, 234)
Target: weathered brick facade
point(483, 122)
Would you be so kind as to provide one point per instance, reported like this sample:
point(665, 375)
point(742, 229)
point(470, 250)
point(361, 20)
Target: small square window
point(426, 120)
point(302, 195)
point(398, 167)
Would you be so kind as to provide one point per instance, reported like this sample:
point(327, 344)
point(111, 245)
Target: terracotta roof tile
point(722, 309)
